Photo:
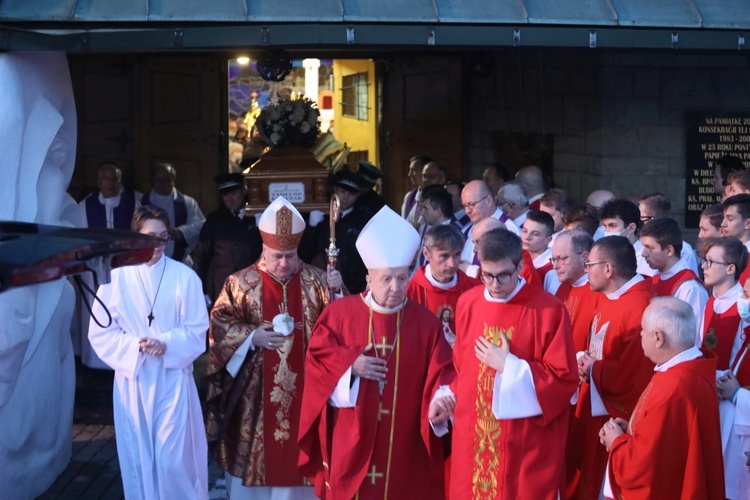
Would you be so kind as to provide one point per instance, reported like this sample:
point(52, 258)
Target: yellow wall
point(359, 135)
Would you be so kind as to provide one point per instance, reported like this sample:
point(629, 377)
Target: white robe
point(161, 441)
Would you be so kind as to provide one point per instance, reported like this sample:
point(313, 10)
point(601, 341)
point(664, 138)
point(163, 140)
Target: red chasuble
point(438, 300)
point(581, 302)
point(529, 272)
point(673, 445)
point(719, 330)
point(620, 374)
point(663, 288)
point(384, 446)
point(512, 458)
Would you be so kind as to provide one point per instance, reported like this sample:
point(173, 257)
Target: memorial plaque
point(709, 137)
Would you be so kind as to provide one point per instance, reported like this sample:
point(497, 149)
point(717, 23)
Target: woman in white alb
point(158, 329)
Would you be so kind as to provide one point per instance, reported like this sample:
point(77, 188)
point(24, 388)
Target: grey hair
point(514, 192)
point(674, 318)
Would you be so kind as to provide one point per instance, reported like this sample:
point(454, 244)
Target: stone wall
point(617, 118)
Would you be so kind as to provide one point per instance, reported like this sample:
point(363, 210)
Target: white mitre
point(281, 225)
point(387, 241)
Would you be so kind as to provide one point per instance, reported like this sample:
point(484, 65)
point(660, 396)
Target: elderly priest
point(375, 366)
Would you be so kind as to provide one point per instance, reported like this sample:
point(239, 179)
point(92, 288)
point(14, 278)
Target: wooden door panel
point(422, 115)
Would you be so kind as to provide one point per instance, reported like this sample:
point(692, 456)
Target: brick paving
point(93, 471)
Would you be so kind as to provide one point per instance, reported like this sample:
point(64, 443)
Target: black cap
point(349, 180)
point(369, 172)
point(228, 182)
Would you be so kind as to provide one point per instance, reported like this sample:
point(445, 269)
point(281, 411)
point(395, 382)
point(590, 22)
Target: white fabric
point(687, 255)
point(237, 491)
point(443, 286)
point(161, 442)
point(514, 395)
point(235, 362)
point(542, 259)
point(518, 221)
point(490, 298)
point(624, 288)
point(387, 241)
point(467, 254)
point(552, 282)
point(412, 217)
point(735, 440)
point(692, 291)
point(38, 135)
point(721, 304)
point(192, 227)
point(686, 355)
point(442, 429)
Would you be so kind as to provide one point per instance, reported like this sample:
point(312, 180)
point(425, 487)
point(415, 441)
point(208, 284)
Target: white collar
point(679, 266)
point(490, 298)
point(723, 302)
point(583, 280)
point(436, 283)
point(624, 288)
point(163, 198)
point(378, 308)
point(543, 258)
point(347, 212)
point(535, 197)
point(686, 355)
point(112, 201)
point(497, 213)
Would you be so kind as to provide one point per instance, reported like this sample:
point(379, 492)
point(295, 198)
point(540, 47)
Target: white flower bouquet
point(295, 122)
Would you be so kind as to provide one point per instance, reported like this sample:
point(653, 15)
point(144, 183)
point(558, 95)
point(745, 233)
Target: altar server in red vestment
point(662, 244)
point(569, 252)
point(378, 367)
point(260, 326)
point(733, 387)
point(516, 372)
point(613, 369)
point(671, 446)
point(721, 325)
point(440, 283)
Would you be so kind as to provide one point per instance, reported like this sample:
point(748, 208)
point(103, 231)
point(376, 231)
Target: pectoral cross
point(381, 386)
point(383, 346)
point(150, 317)
point(374, 475)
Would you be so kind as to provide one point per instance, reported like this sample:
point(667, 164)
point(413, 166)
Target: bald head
point(599, 197)
point(483, 226)
point(477, 200)
point(532, 179)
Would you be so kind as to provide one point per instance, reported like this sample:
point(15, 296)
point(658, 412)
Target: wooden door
point(422, 115)
point(105, 105)
point(180, 122)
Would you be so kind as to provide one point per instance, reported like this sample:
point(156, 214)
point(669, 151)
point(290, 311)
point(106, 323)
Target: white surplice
point(161, 441)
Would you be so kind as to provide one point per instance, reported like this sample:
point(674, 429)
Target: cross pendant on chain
point(381, 386)
point(150, 317)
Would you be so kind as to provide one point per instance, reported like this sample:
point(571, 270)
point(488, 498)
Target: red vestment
point(436, 299)
point(668, 286)
point(521, 457)
point(582, 303)
point(620, 373)
point(673, 445)
point(529, 272)
point(719, 330)
point(252, 418)
point(383, 446)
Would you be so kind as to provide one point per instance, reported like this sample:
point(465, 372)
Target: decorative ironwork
point(274, 65)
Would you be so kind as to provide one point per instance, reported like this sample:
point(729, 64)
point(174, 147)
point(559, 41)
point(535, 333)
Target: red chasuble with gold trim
point(620, 374)
point(383, 447)
point(673, 445)
point(512, 458)
point(529, 272)
point(252, 419)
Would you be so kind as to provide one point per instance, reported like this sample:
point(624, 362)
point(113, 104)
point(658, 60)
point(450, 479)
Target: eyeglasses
point(562, 260)
point(707, 263)
point(470, 206)
point(501, 278)
point(587, 265)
